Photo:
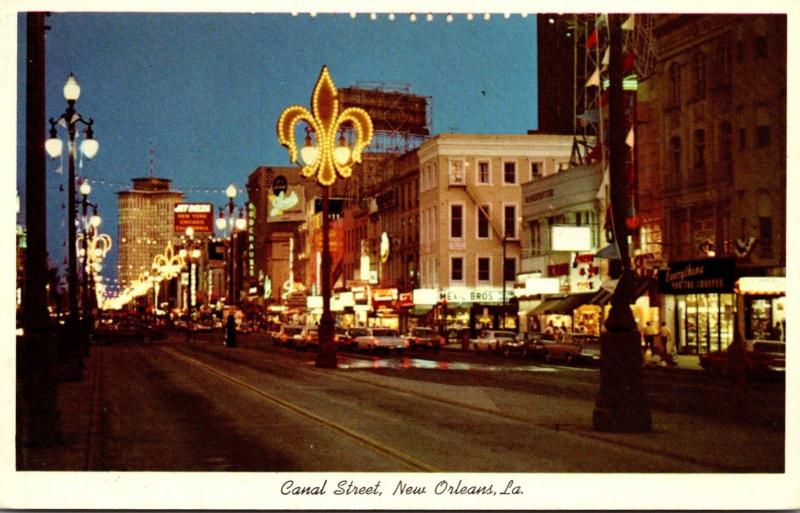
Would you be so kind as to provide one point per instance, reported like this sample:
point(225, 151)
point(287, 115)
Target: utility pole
point(37, 353)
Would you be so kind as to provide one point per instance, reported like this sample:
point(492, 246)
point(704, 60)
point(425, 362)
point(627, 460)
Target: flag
point(629, 138)
point(594, 80)
point(591, 41)
point(627, 62)
point(628, 24)
point(604, 62)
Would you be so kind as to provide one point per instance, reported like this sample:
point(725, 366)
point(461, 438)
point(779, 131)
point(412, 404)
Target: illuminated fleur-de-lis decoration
point(99, 246)
point(169, 264)
point(325, 121)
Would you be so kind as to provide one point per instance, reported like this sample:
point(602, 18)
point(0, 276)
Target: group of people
point(659, 341)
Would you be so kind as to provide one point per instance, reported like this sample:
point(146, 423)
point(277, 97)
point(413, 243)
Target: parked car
point(763, 358)
point(289, 335)
point(127, 331)
point(381, 339)
point(572, 347)
point(521, 345)
point(492, 340)
point(424, 337)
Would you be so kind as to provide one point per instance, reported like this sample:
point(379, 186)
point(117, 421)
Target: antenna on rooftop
point(152, 167)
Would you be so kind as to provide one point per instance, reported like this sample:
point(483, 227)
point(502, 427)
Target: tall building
point(554, 59)
point(146, 214)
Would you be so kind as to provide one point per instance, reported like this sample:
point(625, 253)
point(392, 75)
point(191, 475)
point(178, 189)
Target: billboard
point(198, 216)
point(571, 238)
point(287, 204)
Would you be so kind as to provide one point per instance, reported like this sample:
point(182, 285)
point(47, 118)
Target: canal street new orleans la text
point(349, 487)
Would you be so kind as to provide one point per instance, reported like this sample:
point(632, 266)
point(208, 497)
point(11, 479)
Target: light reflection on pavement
point(346, 362)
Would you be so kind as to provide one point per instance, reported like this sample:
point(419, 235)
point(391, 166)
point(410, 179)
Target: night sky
point(204, 91)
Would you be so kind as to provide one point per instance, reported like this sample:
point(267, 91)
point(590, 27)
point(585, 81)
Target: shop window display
point(705, 322)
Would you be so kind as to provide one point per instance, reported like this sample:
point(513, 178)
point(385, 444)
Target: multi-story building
point(470, 212)
point(712, 147)
point(146, 214)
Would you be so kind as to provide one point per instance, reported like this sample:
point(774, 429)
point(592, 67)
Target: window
point(699, 162)
point(723, 63)
point(456, 221)
point(765, 236)
point(484, 266)
point(484, 177)
point(725, 155)
point(510, 172)
point(510, 221)
point(510, 269)
point(456, 269)
point(675, 84)
point(483, 222)
point(699, 75)
point(456, 173)
point(536, 170)
point(762, 136)
point(760, 47)
point(536, 237)
point(675, 159)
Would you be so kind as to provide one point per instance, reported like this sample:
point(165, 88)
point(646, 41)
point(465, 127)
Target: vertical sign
point(251, 238)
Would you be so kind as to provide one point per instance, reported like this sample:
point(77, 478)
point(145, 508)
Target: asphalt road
point(195, 405)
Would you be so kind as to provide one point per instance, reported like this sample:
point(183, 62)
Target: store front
point(764, 307)
point(703, 294)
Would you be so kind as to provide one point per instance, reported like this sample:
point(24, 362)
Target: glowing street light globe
point(72, 91)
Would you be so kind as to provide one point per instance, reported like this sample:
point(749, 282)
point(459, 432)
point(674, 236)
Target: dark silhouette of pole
point(621, 404)
point(326, 355)
point(38, 415)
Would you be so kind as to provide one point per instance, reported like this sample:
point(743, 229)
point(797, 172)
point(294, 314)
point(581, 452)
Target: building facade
point(712, 149)
point(145, 226)
point(470, 197)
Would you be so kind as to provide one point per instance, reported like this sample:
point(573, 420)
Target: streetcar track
point(365, 440)
point(552, 426)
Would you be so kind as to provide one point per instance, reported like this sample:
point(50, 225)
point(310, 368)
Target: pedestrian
point(669, 345)
point(230, 331)
point(649, 337)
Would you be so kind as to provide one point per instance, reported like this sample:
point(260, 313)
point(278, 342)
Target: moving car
point(343, 339)
point(492, 340)
point(309, 338)
point(381, 339)
point(763, 358)
point(572, 347)
point(424, 337)
point(127, 331)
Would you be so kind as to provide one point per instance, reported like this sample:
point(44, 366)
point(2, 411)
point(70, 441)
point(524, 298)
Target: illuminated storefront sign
point(425, 297)
point(698, 276)
point(584, 274)
point(198, 216)
point(534, 286)
point(385, 247)
point(765, 285)
point(251, 238)
point(571, 238)
point(478, 295)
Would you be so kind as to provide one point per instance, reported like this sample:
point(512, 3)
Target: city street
point(196, 405)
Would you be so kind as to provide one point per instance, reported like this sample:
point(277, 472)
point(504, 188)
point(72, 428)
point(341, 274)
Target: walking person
point(230, 331)
point(668, 344)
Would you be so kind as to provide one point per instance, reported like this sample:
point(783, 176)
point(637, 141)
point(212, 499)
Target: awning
point(547, 306)
point(571, 302)
point(419, 311)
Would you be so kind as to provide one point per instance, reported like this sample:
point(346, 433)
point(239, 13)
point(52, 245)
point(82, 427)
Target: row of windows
point(721, 57)
point(483, 269)
point(483, 232)
point(763, 139)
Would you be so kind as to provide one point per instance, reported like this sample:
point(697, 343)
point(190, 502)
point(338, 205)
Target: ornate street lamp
point(167, 266)
point(323, 161)
point(89, 146)
point(235, 224)
point(90, 225)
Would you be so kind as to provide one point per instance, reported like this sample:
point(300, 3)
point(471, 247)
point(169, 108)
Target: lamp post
point(621, 404)
point(234, 224)
point(323, 161)
point(71, 118)
point(190, 253)
point(90, 225)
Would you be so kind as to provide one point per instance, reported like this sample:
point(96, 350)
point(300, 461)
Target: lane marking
point(364, 439)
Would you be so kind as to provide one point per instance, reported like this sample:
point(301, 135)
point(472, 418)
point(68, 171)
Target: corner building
point(470, 212)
